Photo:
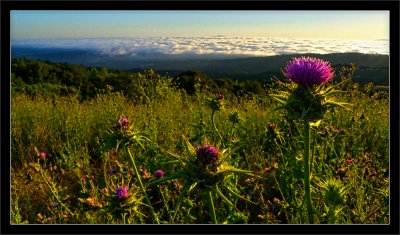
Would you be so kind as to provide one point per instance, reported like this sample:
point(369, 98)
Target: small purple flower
point(122, 123)
point(92, 177)
point(267, 170)
point(110, 172)
point(122, 192)
point(56, 204)
point(349, 161)
point(207, 154)
point(309, 71)
point(83, 179)
point(268, 209)
point(42, 155)
point(159, 173)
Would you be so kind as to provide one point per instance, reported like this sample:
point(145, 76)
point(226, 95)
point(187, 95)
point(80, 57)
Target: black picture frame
point(7, 6)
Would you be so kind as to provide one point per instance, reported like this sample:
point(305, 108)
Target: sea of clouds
point(204, 47)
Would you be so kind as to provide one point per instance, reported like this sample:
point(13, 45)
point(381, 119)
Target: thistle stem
point(306, 159)
point(332, 215)
point(211, 206)
point(141, 185)
point(214, 126)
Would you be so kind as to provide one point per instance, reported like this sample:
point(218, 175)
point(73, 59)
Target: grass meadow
point(65, 171)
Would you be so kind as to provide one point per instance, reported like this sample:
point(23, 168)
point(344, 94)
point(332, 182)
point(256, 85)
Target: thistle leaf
point(141, 145)
point(175, 156)
point(222, 196)
point(280, 98)
point(230, 169)
point(142, 203)
point(337, 104)
point(280, 108)
point(189, 146)
point(334, 86)
point(315, 124)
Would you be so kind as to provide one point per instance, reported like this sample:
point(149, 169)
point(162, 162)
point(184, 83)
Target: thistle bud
point(216, 103)
point(334, 192)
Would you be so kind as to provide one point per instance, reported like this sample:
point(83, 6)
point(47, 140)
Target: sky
point(344, 25)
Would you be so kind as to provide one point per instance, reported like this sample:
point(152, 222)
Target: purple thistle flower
point(309, 71)
point(122, 192)
point(42, 155)
point(207, 154)
point(159, 173)
point(122, 123)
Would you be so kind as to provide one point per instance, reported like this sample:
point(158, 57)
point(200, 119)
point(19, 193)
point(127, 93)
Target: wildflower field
point(308, 150)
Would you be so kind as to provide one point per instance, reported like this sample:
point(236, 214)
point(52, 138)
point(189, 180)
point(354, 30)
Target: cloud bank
point(206, 47)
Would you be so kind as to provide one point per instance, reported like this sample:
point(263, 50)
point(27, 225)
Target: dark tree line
point(36, 77)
